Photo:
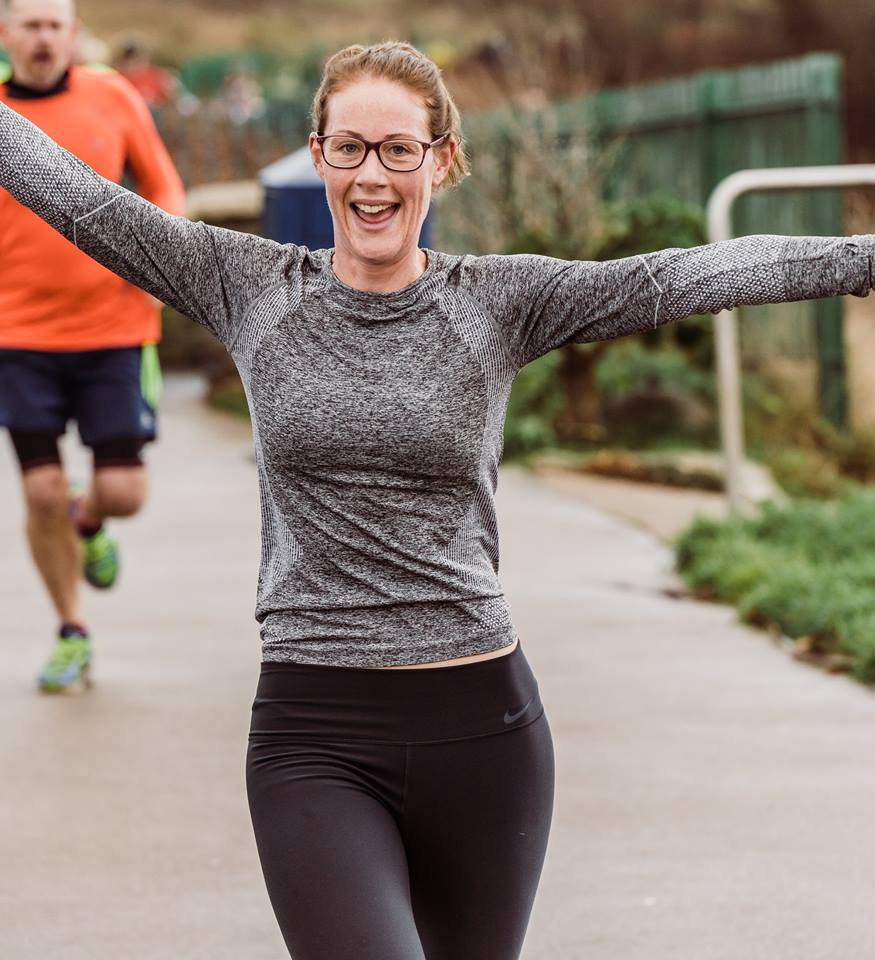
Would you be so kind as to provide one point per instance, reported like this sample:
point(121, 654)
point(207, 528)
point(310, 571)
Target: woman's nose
point(372, 170)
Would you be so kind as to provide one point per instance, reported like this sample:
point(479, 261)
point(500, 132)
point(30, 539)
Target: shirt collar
point(20, 92)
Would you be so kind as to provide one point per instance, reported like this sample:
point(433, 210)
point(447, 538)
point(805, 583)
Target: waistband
point(313, 701)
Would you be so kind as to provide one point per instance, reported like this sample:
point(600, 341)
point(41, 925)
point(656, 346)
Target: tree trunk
point(580, 419)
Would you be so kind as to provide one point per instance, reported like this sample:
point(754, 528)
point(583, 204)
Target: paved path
point(661, 510)
point(715, 799)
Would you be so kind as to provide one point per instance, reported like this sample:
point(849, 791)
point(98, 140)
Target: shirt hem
point(398, 654)
point(86, 347)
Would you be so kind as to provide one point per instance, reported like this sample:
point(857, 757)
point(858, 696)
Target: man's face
point(40, 36)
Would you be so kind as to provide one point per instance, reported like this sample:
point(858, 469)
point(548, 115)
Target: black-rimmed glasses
point(400, 155)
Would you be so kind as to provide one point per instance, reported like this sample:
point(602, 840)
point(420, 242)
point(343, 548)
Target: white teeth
point(371, 208)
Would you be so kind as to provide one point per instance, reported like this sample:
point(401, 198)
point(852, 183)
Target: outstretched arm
point(542, 303)
point(205, 272)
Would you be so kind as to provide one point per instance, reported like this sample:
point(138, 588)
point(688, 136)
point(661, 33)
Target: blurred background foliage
point(499, 50)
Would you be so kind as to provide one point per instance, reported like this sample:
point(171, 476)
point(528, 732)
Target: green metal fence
point(683, 136)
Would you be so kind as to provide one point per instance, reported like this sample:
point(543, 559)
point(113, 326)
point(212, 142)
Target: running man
point(76, 342)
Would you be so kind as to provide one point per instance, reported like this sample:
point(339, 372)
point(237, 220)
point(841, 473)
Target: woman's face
point(374, 110)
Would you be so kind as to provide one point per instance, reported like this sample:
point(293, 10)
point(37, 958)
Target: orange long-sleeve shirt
point(52, 296)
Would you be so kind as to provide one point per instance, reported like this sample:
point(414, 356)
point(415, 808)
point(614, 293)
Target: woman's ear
point(316, 155)
point(443, 156)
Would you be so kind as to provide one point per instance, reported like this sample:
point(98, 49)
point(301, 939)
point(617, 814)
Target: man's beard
point(42, 61)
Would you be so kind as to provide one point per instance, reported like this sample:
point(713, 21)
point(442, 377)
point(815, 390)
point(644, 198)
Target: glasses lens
point(401, 154)
point(343, 151)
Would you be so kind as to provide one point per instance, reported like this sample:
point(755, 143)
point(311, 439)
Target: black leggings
point(401, 814)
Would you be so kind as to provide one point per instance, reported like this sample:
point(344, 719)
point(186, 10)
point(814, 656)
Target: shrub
point(804, 472)
point(796, 597)
point(722, 559)
point(630, 366)
point(696, 539)
point(534, 403)
point(858, 639)
point(807, 569)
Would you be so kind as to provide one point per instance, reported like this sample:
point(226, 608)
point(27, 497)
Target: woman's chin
point(377, 250)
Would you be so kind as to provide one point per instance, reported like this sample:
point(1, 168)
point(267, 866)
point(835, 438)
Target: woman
point(400, 769)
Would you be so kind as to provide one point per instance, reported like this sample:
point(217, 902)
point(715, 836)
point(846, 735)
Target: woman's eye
point(401, 149)
point(350, 147)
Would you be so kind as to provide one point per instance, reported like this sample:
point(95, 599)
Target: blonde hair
point(404, 64)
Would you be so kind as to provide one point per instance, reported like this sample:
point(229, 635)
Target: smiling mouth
point(375, 213)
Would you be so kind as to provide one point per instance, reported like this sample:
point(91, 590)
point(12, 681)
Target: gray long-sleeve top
point(378, 417)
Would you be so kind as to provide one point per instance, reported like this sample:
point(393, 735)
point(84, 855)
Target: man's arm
point(146, 156)
point(205, 272)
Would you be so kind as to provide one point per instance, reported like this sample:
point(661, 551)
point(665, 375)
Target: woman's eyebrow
point(390, 136)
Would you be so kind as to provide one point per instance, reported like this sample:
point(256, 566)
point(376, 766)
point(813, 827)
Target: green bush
point(799, 599)
point(802, 472)
point(857, 638)
point(807, 455)
point(751, 562)
point(698, 538)
point(534, 402)
point(654, 221)
point(828, 533)
point(722, 560)
point(655, 398)
point(629, 367)
point(807, 569)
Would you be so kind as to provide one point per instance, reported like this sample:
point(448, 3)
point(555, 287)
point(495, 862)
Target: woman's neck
point(379, 277)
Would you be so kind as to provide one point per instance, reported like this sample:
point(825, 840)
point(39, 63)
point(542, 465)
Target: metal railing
point(719, 214)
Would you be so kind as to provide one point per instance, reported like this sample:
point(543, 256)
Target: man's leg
point(117, 489)
point(115, 420)
point(56, 550)
point(53, 542)
point(33, 405)
point(114, 492)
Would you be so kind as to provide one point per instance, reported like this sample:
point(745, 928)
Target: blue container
point(295, 208)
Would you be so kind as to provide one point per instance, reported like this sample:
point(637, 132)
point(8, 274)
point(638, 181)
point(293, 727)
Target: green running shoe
point(101, 560)
point(68, 670)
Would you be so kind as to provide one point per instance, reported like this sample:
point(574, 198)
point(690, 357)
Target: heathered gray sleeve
point(207, 273)
point(540, 303)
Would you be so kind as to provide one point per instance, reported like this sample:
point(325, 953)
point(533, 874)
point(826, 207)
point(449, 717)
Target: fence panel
point(685, 135)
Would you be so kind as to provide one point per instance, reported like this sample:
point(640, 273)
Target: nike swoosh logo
point(510, 717)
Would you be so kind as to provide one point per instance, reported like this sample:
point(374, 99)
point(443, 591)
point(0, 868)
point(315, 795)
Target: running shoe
point(68, 669)
point(100, 555)
point(101, 560)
